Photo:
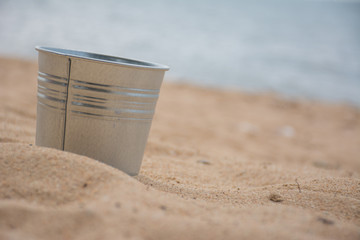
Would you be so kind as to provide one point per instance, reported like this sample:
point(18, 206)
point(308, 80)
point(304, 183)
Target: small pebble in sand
point(203, 161)
point(325, 221)
point(11, 226)
point(248, 128)
point(325, 165)
point(287, 131)
point(163, 207)
point(275, 197)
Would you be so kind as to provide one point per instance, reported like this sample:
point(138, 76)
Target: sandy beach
point(218, 165)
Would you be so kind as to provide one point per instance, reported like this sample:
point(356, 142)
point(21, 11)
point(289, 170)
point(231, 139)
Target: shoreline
point(275, 94)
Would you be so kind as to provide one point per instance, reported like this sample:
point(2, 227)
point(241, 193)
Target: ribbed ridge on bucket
point(96, 100)
point(110, 101)
point(52, 91)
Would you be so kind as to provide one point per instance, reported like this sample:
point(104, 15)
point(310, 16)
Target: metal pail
point(96, 105)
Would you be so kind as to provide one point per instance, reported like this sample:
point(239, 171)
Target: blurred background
point(298, 48)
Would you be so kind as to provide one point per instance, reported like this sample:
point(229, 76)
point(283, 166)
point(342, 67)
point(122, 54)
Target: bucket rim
point(98, 57)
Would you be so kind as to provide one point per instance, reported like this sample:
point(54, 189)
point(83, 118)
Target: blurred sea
point(300, 48)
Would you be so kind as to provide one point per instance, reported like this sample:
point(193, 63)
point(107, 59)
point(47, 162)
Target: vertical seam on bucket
point(66, 103)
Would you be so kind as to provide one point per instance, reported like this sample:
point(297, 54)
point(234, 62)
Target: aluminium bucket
point(96, 105)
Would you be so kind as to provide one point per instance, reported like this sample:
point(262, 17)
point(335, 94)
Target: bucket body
point(96, 105)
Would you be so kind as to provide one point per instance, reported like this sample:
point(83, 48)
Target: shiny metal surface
point(96, 105)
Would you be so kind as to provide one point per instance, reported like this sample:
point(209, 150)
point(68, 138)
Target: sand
point(218, 165)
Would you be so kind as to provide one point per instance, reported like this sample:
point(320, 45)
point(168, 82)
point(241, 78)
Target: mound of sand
point(218, 165)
